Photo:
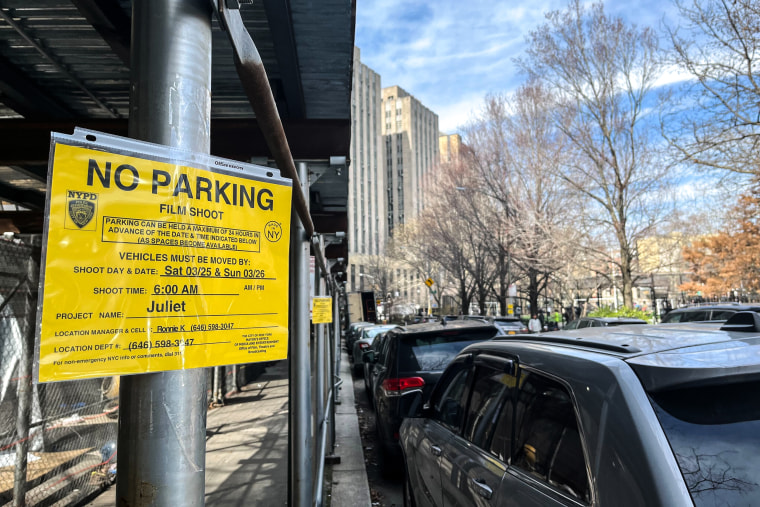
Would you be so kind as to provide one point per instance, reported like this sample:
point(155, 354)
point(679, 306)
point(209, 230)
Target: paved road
point(386, 491)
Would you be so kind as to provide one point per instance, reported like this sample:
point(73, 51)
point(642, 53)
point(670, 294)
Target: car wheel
point(408, 497)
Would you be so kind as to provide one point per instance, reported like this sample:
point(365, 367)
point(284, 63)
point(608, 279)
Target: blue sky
point(450, 54)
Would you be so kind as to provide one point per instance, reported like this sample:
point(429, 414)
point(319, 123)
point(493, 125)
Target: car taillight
point(396, 386)
point(364, 345)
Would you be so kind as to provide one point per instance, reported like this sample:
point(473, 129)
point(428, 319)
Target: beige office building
point(410, 144)
point(394, 148)
point(366, 192)
point(449, 146)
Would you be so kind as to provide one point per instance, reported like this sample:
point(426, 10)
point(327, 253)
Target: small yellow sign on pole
point(321, 310)
point(159, 260)
point(429, 282)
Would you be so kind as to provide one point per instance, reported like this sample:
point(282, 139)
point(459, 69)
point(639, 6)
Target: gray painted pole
point(301, 438)
point(321, 373)
point(334, 362)
point(162, 416)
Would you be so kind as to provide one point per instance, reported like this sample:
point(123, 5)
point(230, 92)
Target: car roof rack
point(585, 342)
point(744, 322)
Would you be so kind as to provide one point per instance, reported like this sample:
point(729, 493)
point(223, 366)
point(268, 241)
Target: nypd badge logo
point(82, 207)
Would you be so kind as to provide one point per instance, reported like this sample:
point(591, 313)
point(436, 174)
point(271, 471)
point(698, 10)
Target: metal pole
point(25, 388)
point(334, 362)
point(162, 416)
point(301, 459)
point(321, 373)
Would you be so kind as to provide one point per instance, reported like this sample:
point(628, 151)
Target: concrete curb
point(350, 485)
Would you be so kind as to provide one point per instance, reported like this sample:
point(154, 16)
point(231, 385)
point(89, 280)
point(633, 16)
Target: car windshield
point(713, 432)
point(431, 352)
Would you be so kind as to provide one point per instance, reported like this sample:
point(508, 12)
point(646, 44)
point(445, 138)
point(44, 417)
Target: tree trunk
point(627, 275)
point(533, 291)
point(503, 283)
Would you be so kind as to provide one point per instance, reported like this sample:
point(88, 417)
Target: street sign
point(156, 259)
point(322, 310)
point(429, 282)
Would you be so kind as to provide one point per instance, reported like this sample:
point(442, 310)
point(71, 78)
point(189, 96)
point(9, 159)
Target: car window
point(584, 323)
point(547, 441)
point(572, 325)
point(450, 399)
point(377, 343)
point(490, 389)
point(722, 314)
point(695, 316)
point(385, 344)
point(672, 317)
point(432, 352)
point(713, 433)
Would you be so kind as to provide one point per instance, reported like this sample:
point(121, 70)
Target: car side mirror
point(369, 357)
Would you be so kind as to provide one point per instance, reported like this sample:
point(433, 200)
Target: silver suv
point(627, 416)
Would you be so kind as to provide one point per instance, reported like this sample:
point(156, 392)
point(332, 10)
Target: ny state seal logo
point(82, 207)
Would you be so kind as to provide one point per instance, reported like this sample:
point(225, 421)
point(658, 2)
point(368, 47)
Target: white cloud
point(455, 115)
point(450, 54)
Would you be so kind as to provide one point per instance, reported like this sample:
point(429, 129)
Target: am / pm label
point(154, 265)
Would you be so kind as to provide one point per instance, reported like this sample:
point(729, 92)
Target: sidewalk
point(247, 447)
point(350, 486)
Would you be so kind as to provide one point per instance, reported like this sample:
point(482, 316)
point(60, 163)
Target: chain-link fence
point(58, 441)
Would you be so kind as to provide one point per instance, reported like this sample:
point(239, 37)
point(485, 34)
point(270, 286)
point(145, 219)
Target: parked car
point(362, 343)
point(636, 416)
point(412, 359)
point(602, 322)
point(707, 313)
point(353, 333)
point(511, 325)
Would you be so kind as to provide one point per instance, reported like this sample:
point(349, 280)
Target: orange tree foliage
point(731, 259)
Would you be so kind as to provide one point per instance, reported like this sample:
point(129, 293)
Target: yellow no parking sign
point(156, 259)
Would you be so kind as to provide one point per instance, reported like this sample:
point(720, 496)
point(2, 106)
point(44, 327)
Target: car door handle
point(482, 488)
point(435, 450)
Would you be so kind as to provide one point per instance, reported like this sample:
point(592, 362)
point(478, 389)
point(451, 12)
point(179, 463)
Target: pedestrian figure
point(534, 324)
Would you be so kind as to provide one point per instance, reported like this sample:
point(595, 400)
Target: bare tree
point(444, 232)
point(379, 269)
point(603, 71)
point(515, 150)
point(719, 46)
